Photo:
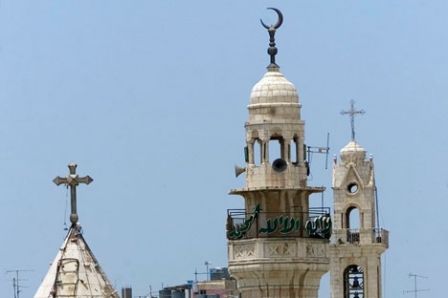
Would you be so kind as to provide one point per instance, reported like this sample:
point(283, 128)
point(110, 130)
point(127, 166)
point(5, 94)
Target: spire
point(72, 180)
point(352, 113)
point(75, 272)
point(272, 50)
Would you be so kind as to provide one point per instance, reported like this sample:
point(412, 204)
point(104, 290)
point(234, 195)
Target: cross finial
point(352, 113)
point(72, 180)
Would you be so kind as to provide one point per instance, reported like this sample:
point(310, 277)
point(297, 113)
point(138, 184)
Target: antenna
point(377, 208)
point(150, 293)
point(16, 280)
point(310, 150)
point(196, 273)
point(416, 290)
point(207, 263)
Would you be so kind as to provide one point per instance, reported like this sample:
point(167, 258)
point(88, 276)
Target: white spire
point(75, 272)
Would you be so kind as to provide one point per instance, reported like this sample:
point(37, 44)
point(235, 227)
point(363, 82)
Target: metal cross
point(72, 180)
point(352, 112)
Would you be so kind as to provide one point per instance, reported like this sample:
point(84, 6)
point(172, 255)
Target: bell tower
point(357, 241)
point(277, 245)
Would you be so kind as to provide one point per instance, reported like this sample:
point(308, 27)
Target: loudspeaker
point(279, 165)
point(239, 170)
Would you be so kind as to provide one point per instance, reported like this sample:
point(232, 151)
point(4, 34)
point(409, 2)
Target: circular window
point(352, 188)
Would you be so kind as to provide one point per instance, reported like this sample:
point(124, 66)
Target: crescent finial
point(272, 50)
point(279, 20)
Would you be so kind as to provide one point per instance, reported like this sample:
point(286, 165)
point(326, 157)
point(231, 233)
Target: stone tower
point(357, 242)
point(277, 245)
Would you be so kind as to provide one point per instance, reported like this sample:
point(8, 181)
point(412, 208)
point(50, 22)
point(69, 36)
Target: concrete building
point(220, 285)
point(277, 245)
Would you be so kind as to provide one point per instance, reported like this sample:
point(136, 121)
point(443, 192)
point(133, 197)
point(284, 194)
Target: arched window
point(257, 152)
point(353, 225)
point(276, 148)
point(353, 218)
point(354, 282)
point(278, 153)
point(295, 151)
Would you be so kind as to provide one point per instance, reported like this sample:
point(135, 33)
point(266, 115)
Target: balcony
point(316, 223)
point(362, 236)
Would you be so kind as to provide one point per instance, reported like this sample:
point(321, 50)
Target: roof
point(75, 272)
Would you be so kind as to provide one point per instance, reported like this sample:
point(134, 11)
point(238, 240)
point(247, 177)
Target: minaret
point(277, 245)
point(357, 241)
point(75, 272)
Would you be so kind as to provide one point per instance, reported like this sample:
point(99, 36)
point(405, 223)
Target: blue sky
point(149, 98)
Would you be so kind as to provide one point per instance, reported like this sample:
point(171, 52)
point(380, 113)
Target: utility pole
point(416, 290)
point(16, 281)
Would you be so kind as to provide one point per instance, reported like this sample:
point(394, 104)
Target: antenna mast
point(310, 150)
point(416, 290)
point(16, 281)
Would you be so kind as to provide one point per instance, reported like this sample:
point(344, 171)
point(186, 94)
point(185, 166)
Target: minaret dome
point(274, 97)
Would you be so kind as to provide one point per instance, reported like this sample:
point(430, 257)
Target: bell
point(355, 283)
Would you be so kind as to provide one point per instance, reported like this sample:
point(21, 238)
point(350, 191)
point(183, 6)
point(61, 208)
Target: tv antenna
point(196, 273)
point(416, 290)
point(16, 280)
point(310, 150)
point(150, 293)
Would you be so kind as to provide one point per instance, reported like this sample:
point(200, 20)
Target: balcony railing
point(362, 236)
point(316, 223)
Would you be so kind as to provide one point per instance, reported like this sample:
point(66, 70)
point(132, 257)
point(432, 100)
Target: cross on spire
point(72, 180)
point(352, 113)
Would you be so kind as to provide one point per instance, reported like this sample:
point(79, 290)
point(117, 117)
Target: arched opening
point(277, 153)
point(275, 148)
point(353, 221)
point(353, 218)
point(295, 151)
point(257, 152)
point(354, 282)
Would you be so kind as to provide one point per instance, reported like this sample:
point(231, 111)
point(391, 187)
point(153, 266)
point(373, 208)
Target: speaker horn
point(239, 170)
point(279, 165)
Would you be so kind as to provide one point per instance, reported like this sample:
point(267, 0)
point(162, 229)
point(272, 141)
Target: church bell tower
point(277, 245)
point(357, 241)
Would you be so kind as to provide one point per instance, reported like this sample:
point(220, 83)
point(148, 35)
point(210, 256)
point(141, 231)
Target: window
point(295, 151)
point(257, 152)
point(353, 225)
point(275, 148)
point(352, 188)
point(353, 218)
point(277, 154)
point(354, 282)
